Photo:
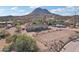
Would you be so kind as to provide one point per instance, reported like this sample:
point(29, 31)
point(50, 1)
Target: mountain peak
point(40, 11)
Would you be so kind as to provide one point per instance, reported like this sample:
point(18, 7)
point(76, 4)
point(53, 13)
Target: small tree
point(18, 27)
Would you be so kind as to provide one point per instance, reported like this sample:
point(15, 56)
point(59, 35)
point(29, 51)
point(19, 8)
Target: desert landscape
point(40, 31)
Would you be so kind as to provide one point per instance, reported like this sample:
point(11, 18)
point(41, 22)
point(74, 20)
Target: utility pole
point(74, 17)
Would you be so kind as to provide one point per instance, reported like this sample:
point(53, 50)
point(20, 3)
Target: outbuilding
point(37, 28)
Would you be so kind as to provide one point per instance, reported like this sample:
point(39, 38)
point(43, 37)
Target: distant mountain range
point(39, 13)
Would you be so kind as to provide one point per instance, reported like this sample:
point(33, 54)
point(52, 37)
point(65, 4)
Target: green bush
point(51, 22)
point(7, 48)
point(38, 21)
point(10, 39)
point(3, 34)
point(54, 22)
point(22, 43)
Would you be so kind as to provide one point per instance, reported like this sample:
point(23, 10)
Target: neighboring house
point(60, 26)
point(9, 26)
point(36, 28)
point(4, 24)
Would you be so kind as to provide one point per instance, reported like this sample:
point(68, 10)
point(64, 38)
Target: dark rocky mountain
point(38, 13)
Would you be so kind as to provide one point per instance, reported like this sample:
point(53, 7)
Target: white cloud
point(57, 10)
point(69, 6)
point(67, 10)
point(19, 14)
point(33, 7)
point(14, 8)
point(72, 7)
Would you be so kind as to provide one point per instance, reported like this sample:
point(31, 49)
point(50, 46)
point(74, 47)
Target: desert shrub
point(54, 22)
point(7, 48)
point(60, 22)
point(10, 39)
point(38, 21)
point(18, 27)
point(4, 34)
point(51, 22)
point(22, 43)
point(16, 22)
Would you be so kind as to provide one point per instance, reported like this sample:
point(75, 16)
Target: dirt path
point(72, 46)
point(2, 44)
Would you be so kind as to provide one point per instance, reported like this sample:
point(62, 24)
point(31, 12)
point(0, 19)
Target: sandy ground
point(11, 30)
point(45, 38)
point(2, 44)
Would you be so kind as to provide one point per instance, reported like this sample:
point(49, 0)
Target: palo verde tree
point(21, 43)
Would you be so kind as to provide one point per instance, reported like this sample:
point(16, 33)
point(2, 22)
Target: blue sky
point(24, 10)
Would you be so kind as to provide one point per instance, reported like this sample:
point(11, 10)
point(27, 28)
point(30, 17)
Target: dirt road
point(73, 46)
